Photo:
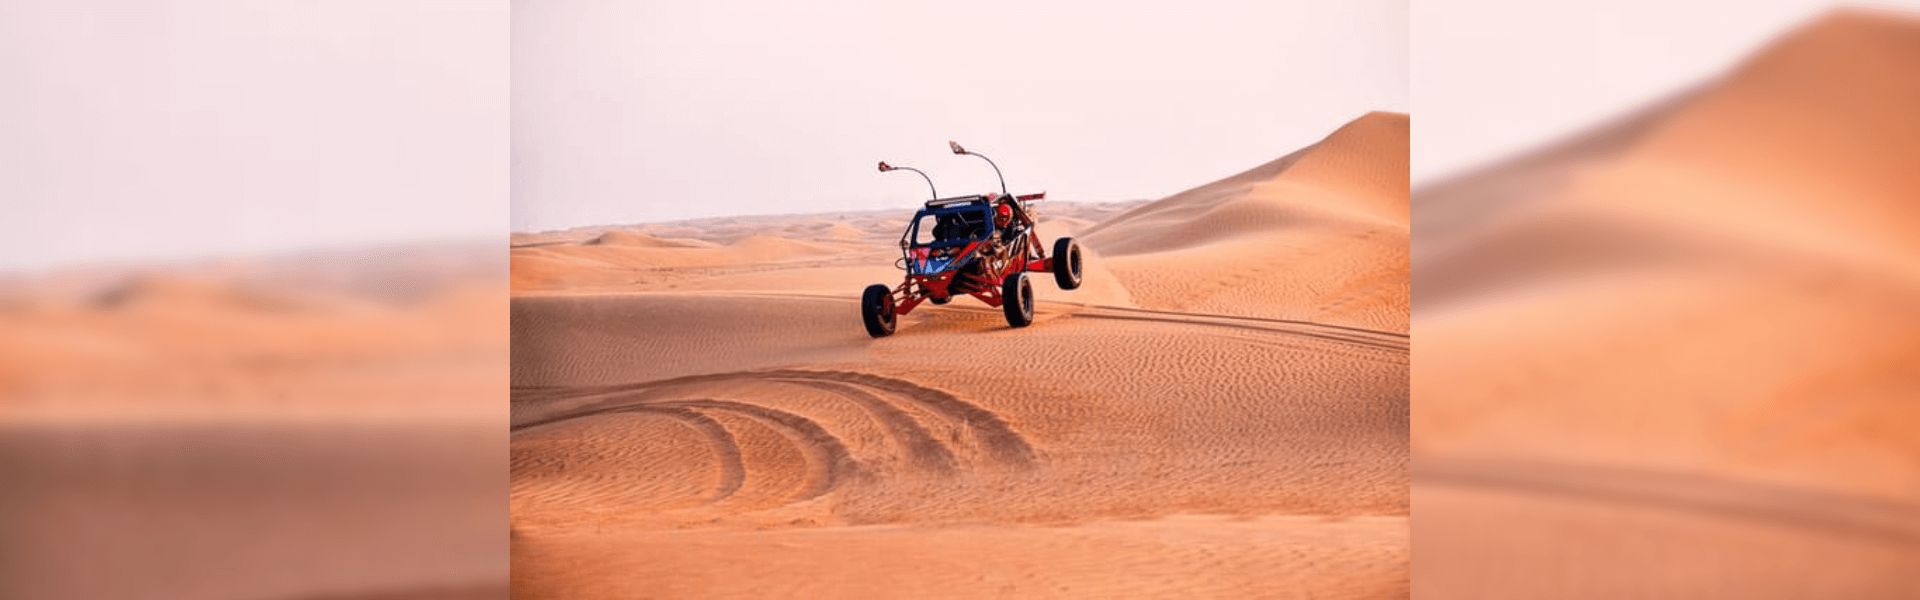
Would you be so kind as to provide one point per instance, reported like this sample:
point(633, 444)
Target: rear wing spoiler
point(955, 201)
point(945, 202)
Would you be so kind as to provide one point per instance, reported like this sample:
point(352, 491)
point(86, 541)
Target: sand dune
point(1320, 234)
point(641, 240)
point(718, 423)
point(1716, 295)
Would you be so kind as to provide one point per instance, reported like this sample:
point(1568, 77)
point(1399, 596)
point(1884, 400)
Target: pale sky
point(631, 112)
point(1496, 78)
point(137, 131)
point(143, 130)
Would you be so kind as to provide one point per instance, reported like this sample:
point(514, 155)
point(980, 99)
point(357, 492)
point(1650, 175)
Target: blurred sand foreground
point(1220, 411)
point(317, 426)
point(1680, 357)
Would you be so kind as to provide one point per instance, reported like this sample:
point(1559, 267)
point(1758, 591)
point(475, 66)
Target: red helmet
point(1004, 213)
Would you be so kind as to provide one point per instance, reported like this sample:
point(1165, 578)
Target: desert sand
point(1677, 356)
point(320, 425)
point(1220, 411)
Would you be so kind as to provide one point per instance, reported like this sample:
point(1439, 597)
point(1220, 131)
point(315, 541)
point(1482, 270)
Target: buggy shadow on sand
point(982, 245)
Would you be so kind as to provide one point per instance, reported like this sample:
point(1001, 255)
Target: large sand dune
point(1319, 234)
point(710, 419)
point(1681, 352)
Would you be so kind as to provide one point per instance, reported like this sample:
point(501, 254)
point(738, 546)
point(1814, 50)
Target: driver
point(1003, 223)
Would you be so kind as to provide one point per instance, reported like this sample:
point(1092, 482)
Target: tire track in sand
point(1383, 340)
point(721, 441)
point(1004, 444)
point(733, 469)
point(1001, 441)
point(826, 452)
point(923, 450)
point(694, 400)
point(1361, 336)
point(829, 455)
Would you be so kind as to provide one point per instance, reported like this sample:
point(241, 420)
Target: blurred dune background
point(1677, 355)
point(252, 330)
point(304, 426)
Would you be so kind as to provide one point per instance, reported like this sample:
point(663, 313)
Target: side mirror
point(884, 167)
point(956, 147)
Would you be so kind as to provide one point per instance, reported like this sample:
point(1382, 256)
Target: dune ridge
point(1319, 234)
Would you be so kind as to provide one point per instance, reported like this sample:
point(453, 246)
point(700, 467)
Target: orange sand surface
point(1220, 411)
point(320, 426)
point(1680, 356)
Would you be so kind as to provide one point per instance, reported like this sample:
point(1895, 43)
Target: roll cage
point(950, 222)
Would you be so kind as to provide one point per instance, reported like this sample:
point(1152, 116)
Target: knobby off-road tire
point(876, 309)
point(1066, 263)
point(1016, 298)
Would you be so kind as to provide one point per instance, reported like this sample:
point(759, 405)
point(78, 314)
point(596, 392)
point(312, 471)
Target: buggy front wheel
point(1016, 297)
point(876, 310)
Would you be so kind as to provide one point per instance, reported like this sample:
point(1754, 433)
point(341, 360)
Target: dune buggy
point(982, 245)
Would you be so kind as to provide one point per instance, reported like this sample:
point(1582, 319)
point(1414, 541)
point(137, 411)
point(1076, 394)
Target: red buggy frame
point(955, 246)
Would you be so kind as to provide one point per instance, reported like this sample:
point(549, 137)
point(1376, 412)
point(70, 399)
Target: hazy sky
point(645, 111)
point(141, 130)
point(1492, 78)
point(151, 130)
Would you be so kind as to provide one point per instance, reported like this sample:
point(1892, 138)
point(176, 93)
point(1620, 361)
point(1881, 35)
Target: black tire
point(940, 300)
point(1066, 263)
point(876, 309)
point(1016, 298)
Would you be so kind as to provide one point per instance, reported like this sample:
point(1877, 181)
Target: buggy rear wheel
point(876, 310)
point(1066, 263)
point(1016, 298)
